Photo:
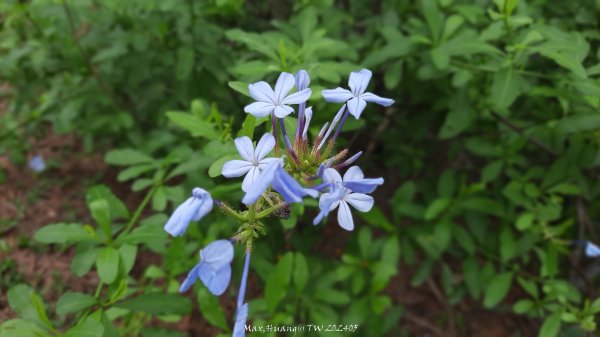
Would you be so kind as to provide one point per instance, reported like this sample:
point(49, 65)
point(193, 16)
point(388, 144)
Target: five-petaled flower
point(254, 159)
point(214, 269)
point(277, 101)
point(194, 208)
point(37, 163)
point(341, 195)
point(356, 98)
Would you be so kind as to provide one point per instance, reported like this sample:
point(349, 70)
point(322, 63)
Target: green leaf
point(62, 233)
point(248, 127)
point(150, 235)
point(83, 261)
point(506, 86)
point(195, 125)
point(278, 281)
point(471, 275)
point(126, 157)
point(364, 242)
point(40, 310)
point(451, 25)
point(185, 62)
point(19, 298)
point(159, 199)
point(71, 302)
point(158, 304)
point(118, 210)
point(128, 254)
point(300, 273)
point(436, 208)
point(525, 221)
point(551, 326)
point(484, 205)
point(21, 328)
point(240, 87)
point(211, 308)
point(390, 252)
point(215, 169)
point(100, 211)
point(107, 264)
point(497, 289)
point(578, 123)
point(433, 16)
point(134, 171)
point(88, 328)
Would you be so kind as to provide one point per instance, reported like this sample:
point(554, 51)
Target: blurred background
point(111, 111)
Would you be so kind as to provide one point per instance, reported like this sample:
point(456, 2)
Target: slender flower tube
point(302, 82)
point(334, 122)
point(214, 269)
point(242, 309)
point(356, 98)
point(194, 208)
point(307, 118)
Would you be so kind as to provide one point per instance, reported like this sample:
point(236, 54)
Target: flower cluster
point(275, 176)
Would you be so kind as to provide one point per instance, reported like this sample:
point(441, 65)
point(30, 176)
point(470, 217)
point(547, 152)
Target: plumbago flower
point(310, 169)
point(254, 159)
point(356, 98)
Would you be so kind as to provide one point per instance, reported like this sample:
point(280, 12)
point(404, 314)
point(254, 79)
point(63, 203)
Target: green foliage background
point(490, 154)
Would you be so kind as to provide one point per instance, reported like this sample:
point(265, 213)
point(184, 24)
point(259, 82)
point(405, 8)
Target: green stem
point(229, 211)
point(138, 211)
point(270, 210)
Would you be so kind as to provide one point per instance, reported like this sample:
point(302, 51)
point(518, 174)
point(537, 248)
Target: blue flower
point(254, 159)
point(214, 269)
point(194, 208)
point(591, 249)
point(356, 98)
point(37, 163)
point(275, 102)
point(341, 196)
point(281, 181)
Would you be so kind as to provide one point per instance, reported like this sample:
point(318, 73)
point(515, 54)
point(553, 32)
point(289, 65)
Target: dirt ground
point(29, 200)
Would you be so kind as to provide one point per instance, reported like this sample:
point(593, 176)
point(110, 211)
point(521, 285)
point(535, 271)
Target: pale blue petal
point(181, 217)
point(262, 165)
point(282, 111)
point(206, 203)
point(592, 250)
point(298, 97)
point(345, 216)
point(369, 97)
point(262, 92)
point(284, 84)
point(353, 173)
point(236, 168)
point(241, 316)
point(264, 147)
point(190, 279)
point(361, 202)
point(259, 109)
point(326, 203)
point(261, 184)
point(331, 176)
point(219, 253)
point(289, 188)
point(250, 178)
point(215, 280)
point(365, 185)
point(245, 148)
point(308, 115)
point(359, 81)
point(337, 95)
point(356, 106)
point(302, 79)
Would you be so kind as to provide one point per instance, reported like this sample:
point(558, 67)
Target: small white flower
point(269, 101)
point(254, 159)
